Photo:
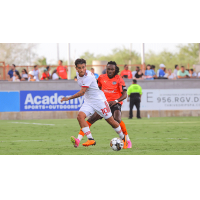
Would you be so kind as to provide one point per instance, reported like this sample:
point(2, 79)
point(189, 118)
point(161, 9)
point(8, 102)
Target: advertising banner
point(168, 99)
point(49, 101)
point(9, 102)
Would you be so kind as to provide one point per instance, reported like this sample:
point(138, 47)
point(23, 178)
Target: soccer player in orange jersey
point(115, 92)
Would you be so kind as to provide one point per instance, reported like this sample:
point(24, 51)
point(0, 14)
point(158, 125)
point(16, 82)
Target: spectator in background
point(75, 78)
point(16, 76)
point(199, 75)
point(139, 75)
point(45, 75)
point(24, 75)
point(10, 73)
point(137, 69)
point(104, 71)
point(36, 72)
point(160, 72)
point(183, 73)
point(62, 71)
point(95, 74)
point(153, 68)
point(126, 73)
point(0, 76)
point(176, 70)
point(49, 69)
point(149, 73)
point(32, 76)
point(55, 75)
point(192, 74)
point(170, 75)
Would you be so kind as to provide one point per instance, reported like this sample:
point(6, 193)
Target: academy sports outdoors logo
point(49, 101)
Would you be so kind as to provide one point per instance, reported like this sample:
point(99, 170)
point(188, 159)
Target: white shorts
point(100, 107)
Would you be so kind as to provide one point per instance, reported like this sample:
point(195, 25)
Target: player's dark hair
point(80, 61)
point(176, 66)
point(116, 67)
point(134, 81)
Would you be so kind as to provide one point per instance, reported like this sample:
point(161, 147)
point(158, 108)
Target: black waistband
point(133, 95)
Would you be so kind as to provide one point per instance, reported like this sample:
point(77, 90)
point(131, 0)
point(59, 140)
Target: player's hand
point(64, 99)
point(112, 103)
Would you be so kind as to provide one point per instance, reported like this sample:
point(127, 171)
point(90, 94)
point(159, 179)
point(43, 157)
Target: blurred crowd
point(139, 74)
point(162, 73)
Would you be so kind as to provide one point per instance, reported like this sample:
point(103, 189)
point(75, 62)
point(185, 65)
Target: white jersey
point(93, 93)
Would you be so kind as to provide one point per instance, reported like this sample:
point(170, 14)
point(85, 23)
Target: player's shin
point(118, 130)
point(124, 130)
point(87, 132)
point(81, 133)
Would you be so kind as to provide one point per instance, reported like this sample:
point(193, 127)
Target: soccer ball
point(116, 144)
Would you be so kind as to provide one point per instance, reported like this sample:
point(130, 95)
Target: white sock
point(80, 137)
point(87, 132)
point(127, 138)
point(118, 130)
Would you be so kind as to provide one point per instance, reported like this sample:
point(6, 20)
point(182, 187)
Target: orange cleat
point(89, 143)
point(125, 142)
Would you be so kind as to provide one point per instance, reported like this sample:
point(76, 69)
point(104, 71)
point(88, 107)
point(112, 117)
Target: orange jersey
point(127, 73)
point(112, 88)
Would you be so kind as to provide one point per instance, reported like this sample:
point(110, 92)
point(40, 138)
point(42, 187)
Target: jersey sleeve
point(87, 82)
point(99, 82)
point(122, 85)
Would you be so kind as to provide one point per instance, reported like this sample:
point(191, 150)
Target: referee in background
point(134, 94)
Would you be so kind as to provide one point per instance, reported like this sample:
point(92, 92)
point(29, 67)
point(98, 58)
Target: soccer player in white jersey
point(94, 101)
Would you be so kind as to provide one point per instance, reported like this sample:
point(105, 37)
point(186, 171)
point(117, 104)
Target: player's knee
point(117, 120)
point(80, 117)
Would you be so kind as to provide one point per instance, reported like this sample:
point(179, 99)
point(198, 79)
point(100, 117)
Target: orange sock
point(81, 132)
point(123, 127)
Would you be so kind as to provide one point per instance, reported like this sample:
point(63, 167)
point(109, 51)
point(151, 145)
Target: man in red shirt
point(62, 71)
point(126, 73)
point(115, 92)
point(45, 75)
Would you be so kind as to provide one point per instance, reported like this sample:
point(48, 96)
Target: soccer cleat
point(89, 143)
point(125, 142)
point(75, 141)
point(129, 145)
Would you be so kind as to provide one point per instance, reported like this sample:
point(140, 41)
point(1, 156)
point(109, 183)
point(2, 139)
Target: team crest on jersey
point(114, 82)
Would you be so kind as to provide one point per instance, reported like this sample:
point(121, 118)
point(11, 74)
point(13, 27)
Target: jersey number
point(106, 110)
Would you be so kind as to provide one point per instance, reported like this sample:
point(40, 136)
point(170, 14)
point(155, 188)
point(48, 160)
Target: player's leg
point(116, 112)
point(103, 109)
point(137, 104)
point(131, 108)
point(85, 111)
point(95, 117)
point(116, 126)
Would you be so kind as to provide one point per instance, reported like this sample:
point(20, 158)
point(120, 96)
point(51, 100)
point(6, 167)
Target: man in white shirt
point(36, 72)
point(176, 70)
point(94, 101)
point(137, 69)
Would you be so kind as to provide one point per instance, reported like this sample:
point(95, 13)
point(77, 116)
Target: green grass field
point(154, 136)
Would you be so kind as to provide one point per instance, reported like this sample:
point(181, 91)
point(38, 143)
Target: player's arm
point(124, 96)
point(78, 94)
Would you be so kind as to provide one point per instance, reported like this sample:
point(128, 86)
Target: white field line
point(33, 123)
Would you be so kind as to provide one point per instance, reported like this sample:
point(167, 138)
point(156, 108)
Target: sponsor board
point(9, 102)
point(49, 101)
point(168, 99)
